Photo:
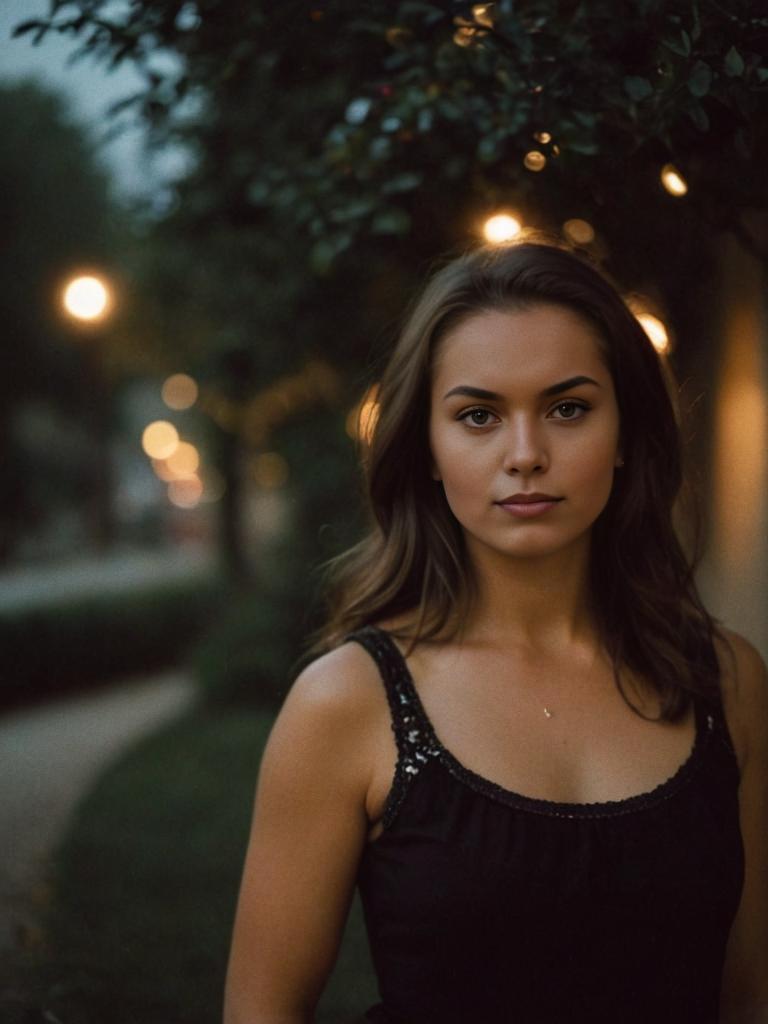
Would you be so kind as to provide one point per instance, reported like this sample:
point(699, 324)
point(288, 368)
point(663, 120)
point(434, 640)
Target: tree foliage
point(56, 218)
point(348, 120)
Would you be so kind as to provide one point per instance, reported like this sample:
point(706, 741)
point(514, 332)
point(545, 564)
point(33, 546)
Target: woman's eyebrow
point(492, 396)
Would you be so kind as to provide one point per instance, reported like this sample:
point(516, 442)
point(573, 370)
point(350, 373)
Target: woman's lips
point(528, 509)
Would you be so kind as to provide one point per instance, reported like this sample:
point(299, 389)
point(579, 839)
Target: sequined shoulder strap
point(414, 735)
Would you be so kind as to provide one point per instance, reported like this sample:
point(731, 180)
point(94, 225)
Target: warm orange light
point(185, 493)
point(483, 14)
point(579, 231)
point(160, 439)
point(535, 161)
point(673, 181)
point(180, 391)
point(162, 472)
point(501, 227)
point(543, 137)
point(656, 331)
point(86, 298)
point(184, 461)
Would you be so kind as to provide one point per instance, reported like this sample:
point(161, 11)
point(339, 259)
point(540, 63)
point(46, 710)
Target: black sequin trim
point(417, 744)
point(415, 738)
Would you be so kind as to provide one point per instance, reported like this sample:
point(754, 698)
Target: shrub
point(70, 645)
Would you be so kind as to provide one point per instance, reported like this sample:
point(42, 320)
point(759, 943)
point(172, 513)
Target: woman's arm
point(745, 979)
point(309, 829)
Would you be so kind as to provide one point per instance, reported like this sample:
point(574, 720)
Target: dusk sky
point(90, 89)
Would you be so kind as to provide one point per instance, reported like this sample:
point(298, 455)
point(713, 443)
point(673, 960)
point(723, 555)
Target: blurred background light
point(483, 14)
point(673, 181)
point(501, 227)
point(579, 231)
point(184, 461)
point(656, 331)
point(160, 439)
point(180, 391)
point(86, 298)
point(535, 161)
point(185, 493)
point(543, 137)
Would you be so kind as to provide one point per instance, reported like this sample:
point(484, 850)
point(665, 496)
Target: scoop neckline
point(554, 808)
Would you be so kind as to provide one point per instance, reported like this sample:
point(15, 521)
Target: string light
point(501, 227)
point(673, 181)
point(655, 330)
point(535, 161)
point(543, 137)
point(483, 14)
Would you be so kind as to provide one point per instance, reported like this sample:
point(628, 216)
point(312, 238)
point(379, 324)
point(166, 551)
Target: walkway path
point(49, 757)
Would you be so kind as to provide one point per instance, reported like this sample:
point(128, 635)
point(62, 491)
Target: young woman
point(540, 758)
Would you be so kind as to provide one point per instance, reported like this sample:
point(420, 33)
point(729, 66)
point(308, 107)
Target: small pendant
point(548, 713)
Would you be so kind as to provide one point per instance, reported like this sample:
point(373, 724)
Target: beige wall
point(734, 574)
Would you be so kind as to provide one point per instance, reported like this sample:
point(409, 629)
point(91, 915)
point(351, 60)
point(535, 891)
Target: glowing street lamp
point(87, 298)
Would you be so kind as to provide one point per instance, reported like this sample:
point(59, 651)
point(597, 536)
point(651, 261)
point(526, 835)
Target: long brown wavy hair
point(413, 564)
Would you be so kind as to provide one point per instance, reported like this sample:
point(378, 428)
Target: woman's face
point(522, 402)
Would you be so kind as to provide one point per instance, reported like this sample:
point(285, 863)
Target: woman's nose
point(525, 449)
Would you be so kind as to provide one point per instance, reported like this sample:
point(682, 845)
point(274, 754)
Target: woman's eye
point(567, 410)
point(477, 417)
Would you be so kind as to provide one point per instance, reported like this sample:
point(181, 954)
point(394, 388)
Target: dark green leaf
point(405, 182)
point(699, 116)
point(584, 146)
point(700, 79)
point(734, 63)
point(487, 149)
point(696, 29)
point(637, 88)
point(392, 221)
point(762, 75)
point(679, 43)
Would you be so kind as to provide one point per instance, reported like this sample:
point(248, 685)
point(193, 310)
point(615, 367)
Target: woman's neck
point(541, 604)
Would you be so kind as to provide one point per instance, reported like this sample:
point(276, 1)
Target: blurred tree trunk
point(231, 532)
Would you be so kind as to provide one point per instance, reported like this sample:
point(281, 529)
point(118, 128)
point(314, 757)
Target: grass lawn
point(145, 888)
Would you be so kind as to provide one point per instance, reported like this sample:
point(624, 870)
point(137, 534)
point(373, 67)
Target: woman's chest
point(545, 731)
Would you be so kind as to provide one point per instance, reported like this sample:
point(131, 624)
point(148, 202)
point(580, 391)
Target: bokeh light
point(501, 227)
point(579, 231)
point(184, 461)
point(673, 181)
point(185, 493)
point(535, 161)
point(656, 331)
point(543, 137)
point(160, 439)
point(86, 298)
point(483, 14)
point(180, 391)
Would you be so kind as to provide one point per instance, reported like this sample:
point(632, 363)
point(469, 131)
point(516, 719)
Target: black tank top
point(487, 907)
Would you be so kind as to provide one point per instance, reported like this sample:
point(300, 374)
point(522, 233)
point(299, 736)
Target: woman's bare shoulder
point(744, 683)
point(341, 684)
